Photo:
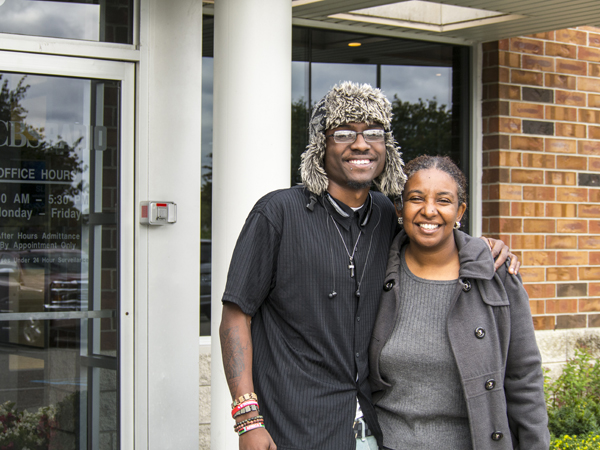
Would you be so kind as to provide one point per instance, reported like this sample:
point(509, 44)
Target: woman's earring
point(400, 221)
point(457, 225)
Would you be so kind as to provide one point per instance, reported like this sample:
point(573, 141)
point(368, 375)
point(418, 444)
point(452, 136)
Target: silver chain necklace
point(350, 256)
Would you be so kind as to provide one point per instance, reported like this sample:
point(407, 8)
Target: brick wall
point(541, 168)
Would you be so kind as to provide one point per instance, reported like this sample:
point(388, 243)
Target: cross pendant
point(351, 267)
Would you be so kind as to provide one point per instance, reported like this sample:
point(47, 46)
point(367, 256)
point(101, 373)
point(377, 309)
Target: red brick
point(589, 54)
point(589, 242)
point(571, 36)
point(560, 145)
point(589, 305)
point(532, 274)
point(594, 132)
point(539, 63)
point(527, 242)
point(564, 322)
point(571, 226)
point(594, 164)
point(543, 161)
point(589, 273)
point(588, 84)
point(527, 209)
point(593, 40)
point(589, 211)
point(529, 110)
point(548, 35)
point(594, 226)
point(561, 306)
point(561, 210)
point(539, 225)
point(594, 289)
point(561, 113)
point(562, 50)
point(495, 209)
point(593, 100)
point(569, 98)
point(526, 46)
point(505, 159)
point(560, 81)
point(505, 192)
point(561, 273)
point(561, 242)
point(593, 70)
point(588, 147)
point(571, 195)
point(524, 77)
point(509, 59)
point(496, 175)
point(536, 306)
point(594, 258)
point(539, 290)
point(509, 92)
point(503, 225)
point(594, 195)
point(544, 322)
point(521, 176)
point(539, 193)
point(543, 258)
point(509, 125)
point(572, 162)
point(561, 178)
point(570, 130)
point(570, 67)
point(573, 258)
point(589, 115)
point(527, 143)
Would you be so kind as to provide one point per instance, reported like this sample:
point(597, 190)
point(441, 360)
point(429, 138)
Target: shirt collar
point(344, 215)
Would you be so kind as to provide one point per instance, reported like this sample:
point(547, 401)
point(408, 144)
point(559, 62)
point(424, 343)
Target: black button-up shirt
point(308, 348)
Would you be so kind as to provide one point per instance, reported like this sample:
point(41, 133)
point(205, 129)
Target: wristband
point(243, 398)
point(250, 428)
point(243, 405)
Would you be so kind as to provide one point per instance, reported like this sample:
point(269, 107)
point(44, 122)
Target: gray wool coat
point(493, 341)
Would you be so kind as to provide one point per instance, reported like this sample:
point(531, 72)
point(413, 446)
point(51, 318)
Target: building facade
point(135, 136)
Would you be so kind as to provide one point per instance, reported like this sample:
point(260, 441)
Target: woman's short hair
point(443, 163)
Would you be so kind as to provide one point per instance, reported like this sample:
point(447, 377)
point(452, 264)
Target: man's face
point(353, 166)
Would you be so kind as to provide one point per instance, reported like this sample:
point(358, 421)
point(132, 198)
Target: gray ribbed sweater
point(425, 408)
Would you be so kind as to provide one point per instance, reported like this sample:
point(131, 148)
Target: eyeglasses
point(349, 136)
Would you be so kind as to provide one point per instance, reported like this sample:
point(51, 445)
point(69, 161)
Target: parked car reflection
point(49, 280)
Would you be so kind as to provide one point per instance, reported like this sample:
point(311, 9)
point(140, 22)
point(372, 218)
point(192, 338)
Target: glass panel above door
point(88, 20)
point(59, 246)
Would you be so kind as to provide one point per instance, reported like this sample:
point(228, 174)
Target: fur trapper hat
point(345, 103)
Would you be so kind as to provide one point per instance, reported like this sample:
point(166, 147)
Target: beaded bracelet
point(245, 410)
point(250, 428)
point(238, 426)
point(243, 405)
point(243, 398)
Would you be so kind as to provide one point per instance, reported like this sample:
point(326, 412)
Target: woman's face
point(430, 209)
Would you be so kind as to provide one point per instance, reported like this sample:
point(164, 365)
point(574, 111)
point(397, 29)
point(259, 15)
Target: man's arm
point(236, 350)
point(500, 253)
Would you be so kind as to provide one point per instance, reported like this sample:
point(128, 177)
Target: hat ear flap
point(312, 168)
point(391, 181)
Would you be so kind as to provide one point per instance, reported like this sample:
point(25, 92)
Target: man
point(304, 284)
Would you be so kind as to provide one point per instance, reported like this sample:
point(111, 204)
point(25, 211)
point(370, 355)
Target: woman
point(454, 362)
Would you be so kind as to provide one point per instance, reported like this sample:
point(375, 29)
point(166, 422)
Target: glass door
point(65, 280)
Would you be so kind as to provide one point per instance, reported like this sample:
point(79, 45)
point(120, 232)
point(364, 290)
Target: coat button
point(389, 285)
point(479, 333)
point(466, 285)
point(490, 384)
point(497, 435)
